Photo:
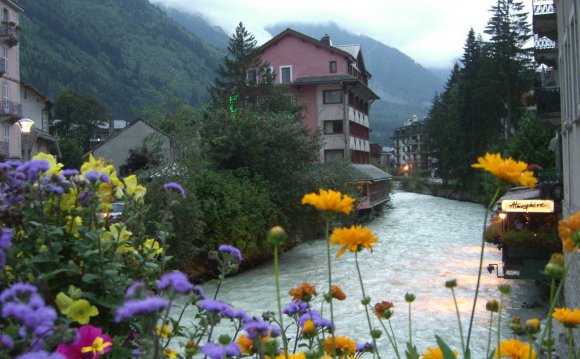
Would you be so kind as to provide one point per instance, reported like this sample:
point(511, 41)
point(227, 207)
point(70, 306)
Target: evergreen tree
point(509, 31)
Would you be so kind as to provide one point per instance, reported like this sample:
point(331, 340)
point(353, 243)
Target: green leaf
point(89, 278)
point(447, 352)
point(411, 352)
point(492, 354)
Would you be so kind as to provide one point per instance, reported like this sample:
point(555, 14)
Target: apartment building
point(410, 148)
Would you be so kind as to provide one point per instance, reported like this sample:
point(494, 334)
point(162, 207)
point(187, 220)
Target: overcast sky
point(431, 32)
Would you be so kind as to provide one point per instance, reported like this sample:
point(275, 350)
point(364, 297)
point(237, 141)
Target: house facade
point(10, 108)
point(331, 82)
point(38, 108)
point(557, 45)
point(410, 146)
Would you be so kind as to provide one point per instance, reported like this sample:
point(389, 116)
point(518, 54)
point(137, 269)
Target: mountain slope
point(125, 53)
point(405, 87)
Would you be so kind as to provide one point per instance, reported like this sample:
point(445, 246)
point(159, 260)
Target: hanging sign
point(528, 205)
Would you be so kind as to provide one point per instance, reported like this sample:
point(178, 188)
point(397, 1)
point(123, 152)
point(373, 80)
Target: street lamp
point(25, 125)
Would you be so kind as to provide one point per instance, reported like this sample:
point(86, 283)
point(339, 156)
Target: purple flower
point(219, 351)
point(235, 252)
point(134, 289)
point(6, 341)
point(176, 280)
point(40, 355)
point(175, 187)
point(275, 331)
point(295, 308)
point(316, 318)
point(6, 238)
point(199, 292)
point(70, 172)
point(213, 305)
point(52, 188)
point(132, 308)
point(367, 347)
point(240, 314)
point(257, 328)
point(17, 291)
point(105, 178)
point(93, 176)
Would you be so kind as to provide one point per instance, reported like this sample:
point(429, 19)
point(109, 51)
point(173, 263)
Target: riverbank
point(435, 188)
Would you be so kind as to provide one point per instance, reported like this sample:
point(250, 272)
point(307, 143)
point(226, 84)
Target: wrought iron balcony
point(545, 50)
point(4, 148)
point(12, 110)
point(545, 19)
point(9, 32)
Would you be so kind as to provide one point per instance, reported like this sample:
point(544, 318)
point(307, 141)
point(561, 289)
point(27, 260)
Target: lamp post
point(25, 125)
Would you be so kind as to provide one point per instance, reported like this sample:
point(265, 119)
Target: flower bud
point(366, 300)
point(376, 333)
point(277, 235)
point(532, 326)
point(515, 325)
point(309, 329)
point(224, 339)
point(505, 288)
point(554, 270)
point(452, 283)
point(492, 306)
point(409, 297)
point(190, 348)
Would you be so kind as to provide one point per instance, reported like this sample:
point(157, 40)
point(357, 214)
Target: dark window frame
point(328, 101)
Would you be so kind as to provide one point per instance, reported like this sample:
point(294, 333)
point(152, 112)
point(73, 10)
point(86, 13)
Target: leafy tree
point(78, 116)
point(530, 144)
point(509, 30)
point(72, 152)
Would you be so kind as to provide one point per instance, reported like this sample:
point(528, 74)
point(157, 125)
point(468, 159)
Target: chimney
point(326, 40)
point(111, 126)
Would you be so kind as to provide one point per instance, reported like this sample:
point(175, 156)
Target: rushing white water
point(423, 241)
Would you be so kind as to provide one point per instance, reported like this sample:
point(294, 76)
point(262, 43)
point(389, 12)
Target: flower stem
point(279, 300)
point(365, 299)
point(491, 203)
point(459, 321)
point(410, 330)
point(499, 325)
point(391, 338)
point(330, 284)
point(489, 335)
point(571, 354)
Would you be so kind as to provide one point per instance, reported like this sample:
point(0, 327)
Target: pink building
point(332, 82)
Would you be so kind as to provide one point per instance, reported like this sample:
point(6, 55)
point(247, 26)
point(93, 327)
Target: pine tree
point(509, 32)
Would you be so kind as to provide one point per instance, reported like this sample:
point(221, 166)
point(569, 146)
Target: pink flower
point(87, 336)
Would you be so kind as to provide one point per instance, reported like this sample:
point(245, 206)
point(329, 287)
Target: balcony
point(544, 20)
point(2, 66)
point(10, 110)
point(548, 106)
point(545, 51)
point(4, 148)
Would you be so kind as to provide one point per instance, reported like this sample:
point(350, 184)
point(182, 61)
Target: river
point(423, 242)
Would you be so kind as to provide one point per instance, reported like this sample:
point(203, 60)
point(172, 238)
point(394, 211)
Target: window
point(5, 15)
point(332, 127)
point(333, 68)
point(7, 133)
point(332, 96)
point(285, 74)
point(333, 155)
point(5, 58)
point(252, 77)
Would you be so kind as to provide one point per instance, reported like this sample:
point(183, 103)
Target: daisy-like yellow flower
point(344, 346)
point(354, 239)
point(163, 331)
point(514, 349)
point(329, 201)
point(568, 229)
point(171, 354)
point(508, 169)
point(299, 355)
point(309, 329)
point(304, 292)
point(435, 353)
point(569, 318)
point(81, 311)
point(246, 344)
point(98, 347)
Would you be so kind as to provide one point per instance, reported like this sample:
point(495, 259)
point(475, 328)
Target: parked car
point(116, 212)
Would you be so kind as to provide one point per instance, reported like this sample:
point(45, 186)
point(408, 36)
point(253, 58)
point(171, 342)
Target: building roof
point(14, 4)
point(302, 36)
point(353, 50)
point(38, 93)
point(371, 172)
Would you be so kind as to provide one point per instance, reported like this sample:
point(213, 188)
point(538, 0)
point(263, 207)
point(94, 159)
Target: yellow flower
point(570, 318)
point(299, 355)
point(63, 302)
point(329, 201)
point(514, 349)
point(309, 329)
point(337, 293)
point(435, 353)
point(532, 325)
point(54, 167)
point(151, 248)
point(118, 232)
point(567, 229)
point(81, 311)
point(163, 331)
point(354, 239)
point(246, 344)
point(69, 199)
point(73, 224)
point(93, 165)
point(98, 346)
point(137, 192)
point(344, 346)
point(171, 354)
point(507, 169)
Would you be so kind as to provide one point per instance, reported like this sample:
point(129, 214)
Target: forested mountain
point(125, 53)
point(405, 87)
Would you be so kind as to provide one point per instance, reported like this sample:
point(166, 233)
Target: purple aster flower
point(40, 355)
point(175, 187)
point(235, 252)
point(228, 313)
point(93, 176)
point(6, 341)
point(296, 308)
point(275, 331)
point(52, 188)
point(16, 291)
point(213, 305)
point(219, 351)
point(316, 318)
point(132, 308)
point(70, 172)
point(134, 289)
point(176, 280)
point(240, 314)
point(367, 347)
point(199, 292)
point(6, 238)
point(105, 178)
point(257, 329)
